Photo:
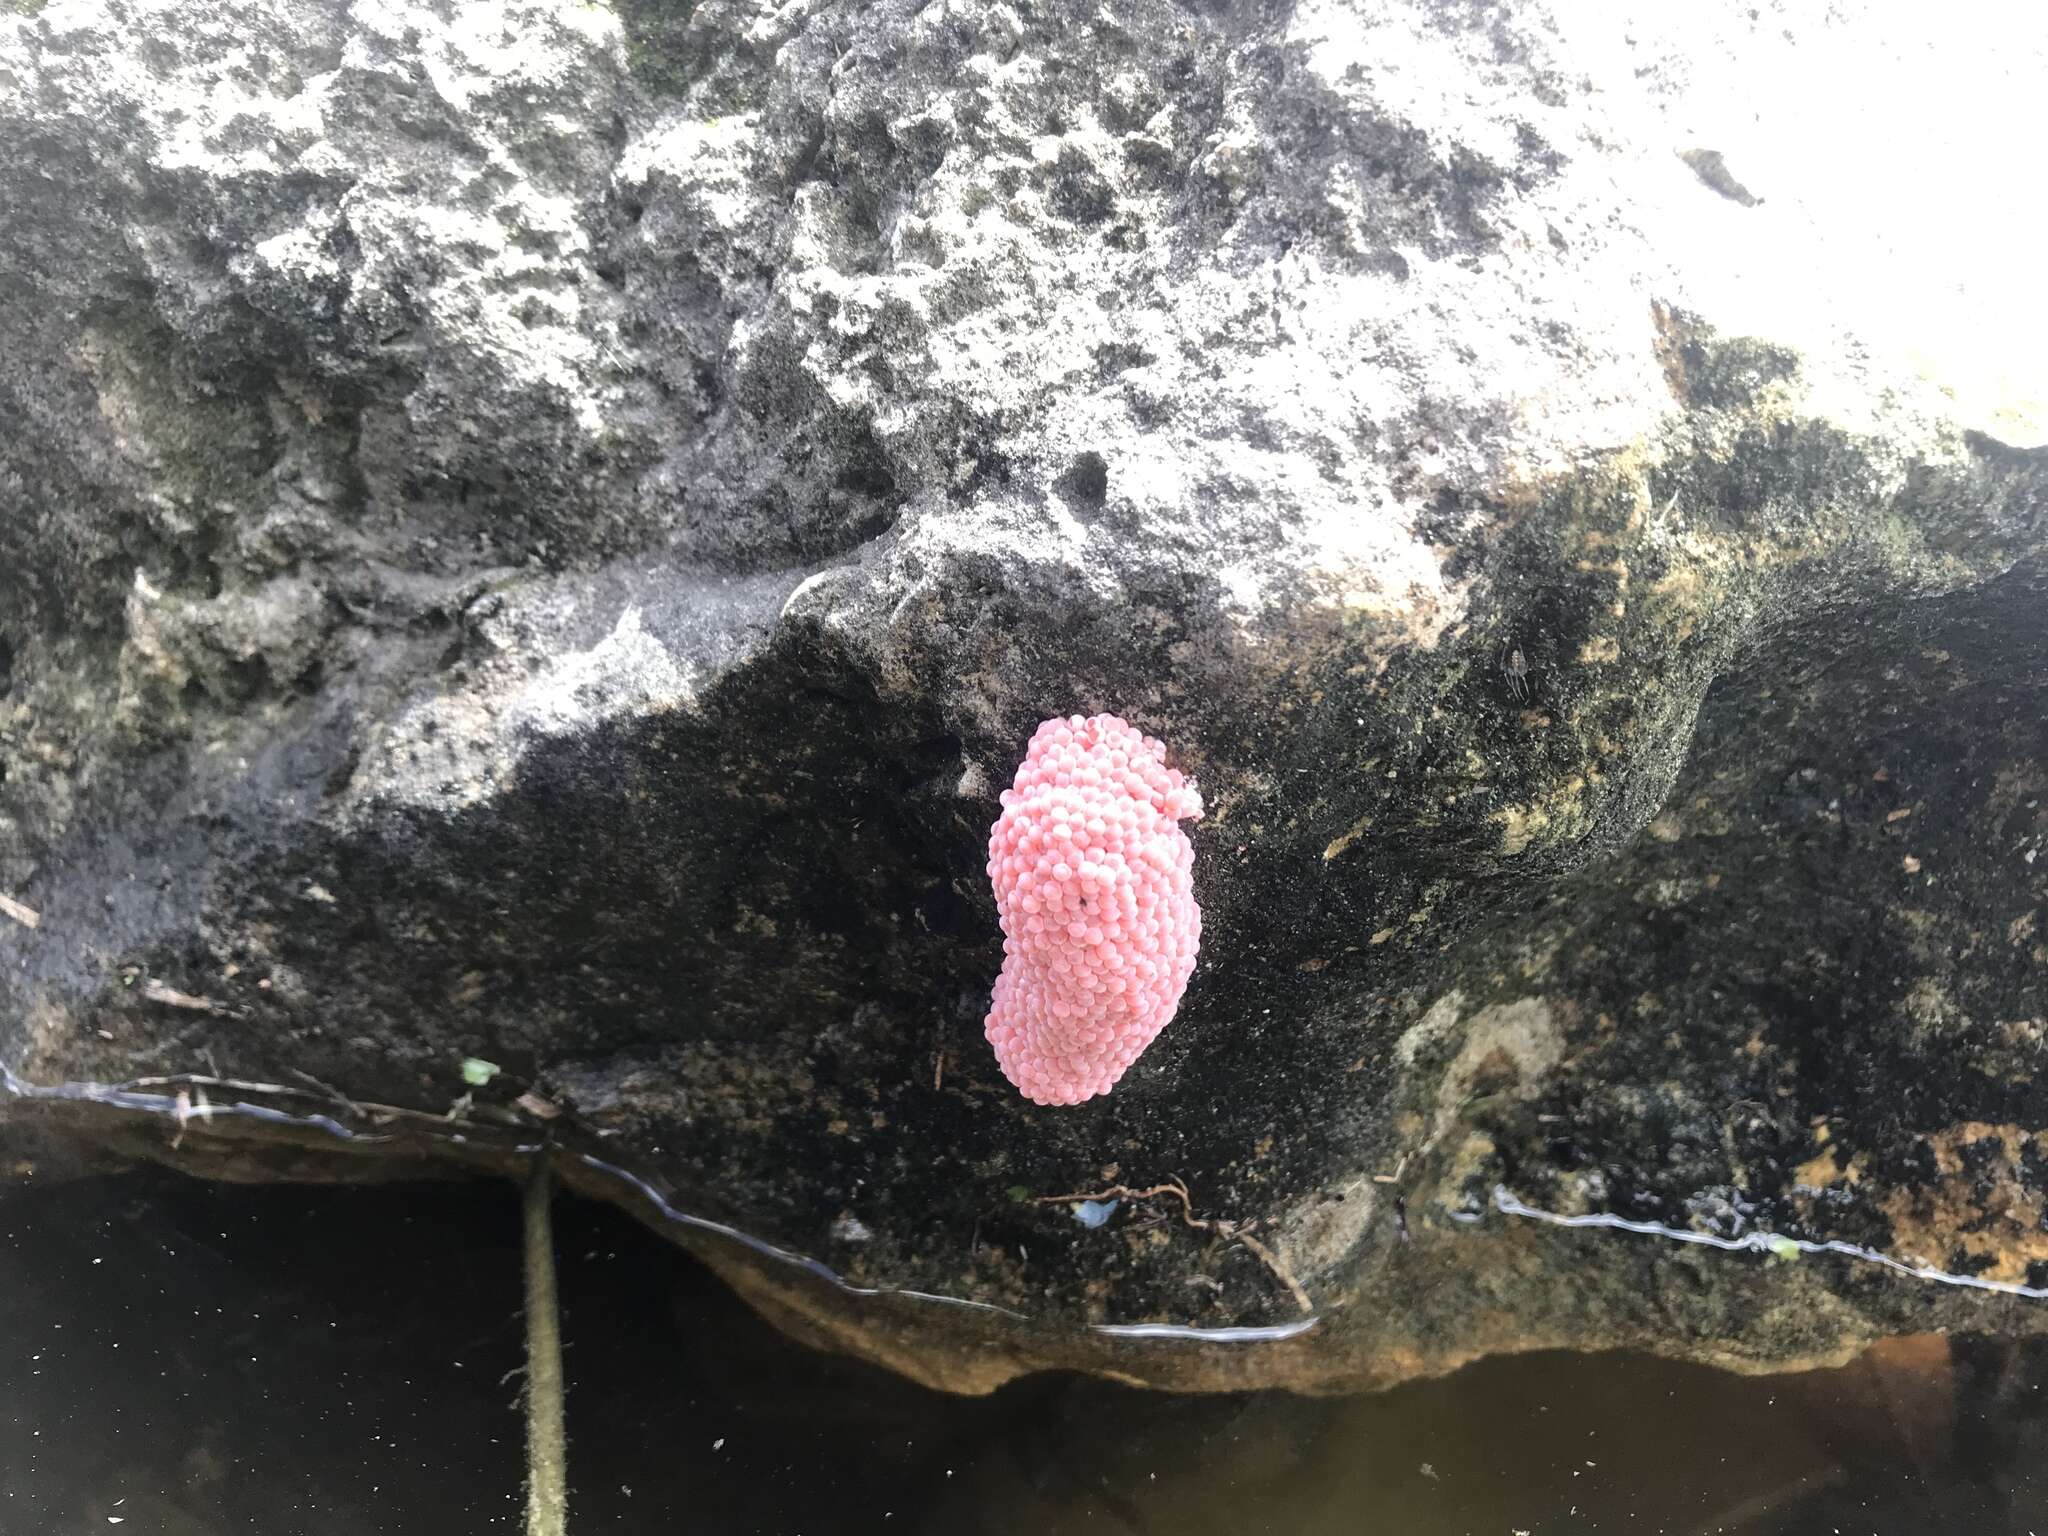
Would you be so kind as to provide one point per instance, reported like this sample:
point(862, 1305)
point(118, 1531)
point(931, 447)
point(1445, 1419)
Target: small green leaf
point(1782, 1248)
point(477, 1072)
point(1019, 1193)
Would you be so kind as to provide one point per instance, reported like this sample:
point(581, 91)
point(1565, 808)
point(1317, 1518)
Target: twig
point(1272, 1262)
point(28, 917)
point(547, 1447)
point(163, 992)
point(1172, 1187)
point(198, 1079)
point(538, 1107)
point(327, 1088)
point(1230, 1231)
point(319, 1090)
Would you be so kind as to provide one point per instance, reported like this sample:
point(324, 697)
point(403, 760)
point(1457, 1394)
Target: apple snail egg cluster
point(1094, 884)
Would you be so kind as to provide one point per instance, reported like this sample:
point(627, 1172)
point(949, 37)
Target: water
point(179, 1357)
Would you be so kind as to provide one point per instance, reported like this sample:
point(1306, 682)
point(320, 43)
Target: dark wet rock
point(537, 535)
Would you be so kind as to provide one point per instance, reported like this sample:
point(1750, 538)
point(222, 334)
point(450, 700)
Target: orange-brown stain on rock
point(1979, 1202)
point(1821, 1170)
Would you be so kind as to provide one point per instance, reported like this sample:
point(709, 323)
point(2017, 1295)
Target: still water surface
point(184, 1358)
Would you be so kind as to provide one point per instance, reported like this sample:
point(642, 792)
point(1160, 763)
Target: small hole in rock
point(1085, 485)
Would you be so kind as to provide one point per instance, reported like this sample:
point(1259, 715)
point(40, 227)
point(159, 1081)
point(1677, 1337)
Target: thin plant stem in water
point(547, 1446)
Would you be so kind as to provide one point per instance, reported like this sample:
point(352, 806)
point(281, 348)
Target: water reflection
point(185, 1358)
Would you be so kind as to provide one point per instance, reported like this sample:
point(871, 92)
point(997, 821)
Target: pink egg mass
point(1094, 884)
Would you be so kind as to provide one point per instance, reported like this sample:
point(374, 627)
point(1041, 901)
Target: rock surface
point(536, 532)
